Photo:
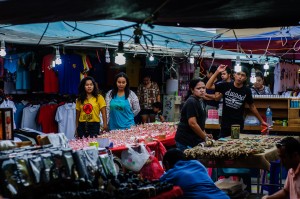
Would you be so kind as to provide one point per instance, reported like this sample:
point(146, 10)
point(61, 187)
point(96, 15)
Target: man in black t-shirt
point(235, 95)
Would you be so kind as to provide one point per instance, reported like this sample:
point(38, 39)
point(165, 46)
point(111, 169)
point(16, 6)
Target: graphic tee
point(90, 109)
point(234, 100)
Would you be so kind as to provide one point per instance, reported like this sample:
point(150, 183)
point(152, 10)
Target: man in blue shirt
point(190, 175)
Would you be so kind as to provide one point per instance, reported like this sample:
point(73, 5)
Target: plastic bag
point(134, 160)
point(152, 170)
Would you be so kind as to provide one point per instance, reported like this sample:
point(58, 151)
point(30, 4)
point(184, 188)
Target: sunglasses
point(279, 144)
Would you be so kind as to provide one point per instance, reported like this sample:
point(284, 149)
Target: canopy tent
point(282, 43)
point(162, 40)
point(188, 13)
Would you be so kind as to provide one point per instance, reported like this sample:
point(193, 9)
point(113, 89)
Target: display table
point(174, 193)
point(252, 159)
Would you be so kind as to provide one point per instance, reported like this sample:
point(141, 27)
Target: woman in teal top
point(122, 104)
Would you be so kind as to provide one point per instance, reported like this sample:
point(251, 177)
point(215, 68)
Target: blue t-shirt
point(193, 179)
point(69, 73)
point(121, 115)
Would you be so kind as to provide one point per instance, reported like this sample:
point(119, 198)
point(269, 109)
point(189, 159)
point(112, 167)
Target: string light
point(253, 78)
point(2, 50)
point(238, 67)
point(57, 57)
point(107, 57)
point(151, 58)
point(192, 60)
point(120, 59)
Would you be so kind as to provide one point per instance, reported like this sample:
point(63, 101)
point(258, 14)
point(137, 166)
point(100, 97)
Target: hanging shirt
point(46, 118)
point(50, 77)
point(66, 119)
point(29, 117)
point(121, 115)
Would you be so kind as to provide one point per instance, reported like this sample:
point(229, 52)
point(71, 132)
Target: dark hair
point(157, 105)
point(115, 87)
point(212, 69)
point(290, 144)
point(192, 85)
point(172, 156)
point(245, 70)
point(228, 70)
point(259, 74)
point(146, 75)
point(81, 89)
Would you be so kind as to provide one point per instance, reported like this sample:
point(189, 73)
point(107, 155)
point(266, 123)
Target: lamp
point(253, 78)
point(151, 58)
point(2, 50)
point(192, 60)
point(57, 57)
point(238, 67)
point(120, 59)
point(266, 66)
point(107, 57)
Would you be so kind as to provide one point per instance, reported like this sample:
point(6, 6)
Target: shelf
point(295, 108)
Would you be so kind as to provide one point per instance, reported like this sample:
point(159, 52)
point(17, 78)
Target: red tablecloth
point(154, 146)
point(174, 193)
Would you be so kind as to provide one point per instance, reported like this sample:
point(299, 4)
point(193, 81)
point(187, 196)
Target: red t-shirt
point(50, 77)
point(46, 118)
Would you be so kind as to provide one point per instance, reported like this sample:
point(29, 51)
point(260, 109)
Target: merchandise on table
point(234, 148)
point(144, 132)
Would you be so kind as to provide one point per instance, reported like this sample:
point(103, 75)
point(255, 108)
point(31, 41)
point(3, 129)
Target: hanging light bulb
point(192, 59)
point(238, 67)
point(253, 78)
point(107, 57)
point(53, 64)
point(120, 59)
point(57, 57)
point(2, 50)
point(266, 66)
point(151, 58)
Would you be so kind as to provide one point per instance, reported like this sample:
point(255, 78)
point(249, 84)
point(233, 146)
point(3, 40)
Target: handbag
point(134, 160)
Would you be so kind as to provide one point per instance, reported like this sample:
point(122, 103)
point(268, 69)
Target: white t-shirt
point(29, 117)
point(66, 119)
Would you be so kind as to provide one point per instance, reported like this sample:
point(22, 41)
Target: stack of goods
point(233, 148)
point(143, 132)
point(36, 172)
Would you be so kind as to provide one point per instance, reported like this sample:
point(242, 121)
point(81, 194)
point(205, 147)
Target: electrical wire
point(43, 34)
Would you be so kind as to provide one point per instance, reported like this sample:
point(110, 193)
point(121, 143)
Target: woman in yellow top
point(89, 104)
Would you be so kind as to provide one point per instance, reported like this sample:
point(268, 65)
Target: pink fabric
point(292, 183)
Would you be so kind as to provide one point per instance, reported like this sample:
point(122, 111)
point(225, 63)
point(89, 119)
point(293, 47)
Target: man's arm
point(210, 83)
point(253, 109)
point(281, 194)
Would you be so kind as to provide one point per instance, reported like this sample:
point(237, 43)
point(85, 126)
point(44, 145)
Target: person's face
point(199, 90)
point(240, 77)
point(89, 86)
point(121, 83)
point(259, 82)
point(286, 160)
point(146, 80)
point(225, 76)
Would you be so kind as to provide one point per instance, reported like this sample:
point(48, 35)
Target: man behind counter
point(235, 95)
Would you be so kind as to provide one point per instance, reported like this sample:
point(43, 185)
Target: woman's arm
point(134, 103)
point(104, 118)
point(196, 128)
